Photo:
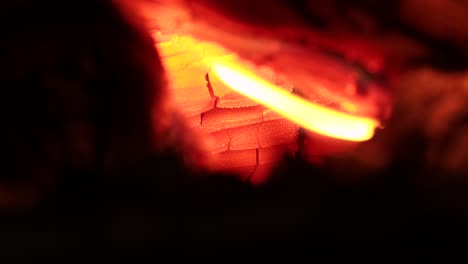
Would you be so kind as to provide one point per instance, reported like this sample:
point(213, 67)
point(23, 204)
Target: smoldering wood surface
point(398, 31)
point(406, 30)
point(386, 191)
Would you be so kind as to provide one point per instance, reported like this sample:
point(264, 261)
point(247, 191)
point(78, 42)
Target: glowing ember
point(313, 117)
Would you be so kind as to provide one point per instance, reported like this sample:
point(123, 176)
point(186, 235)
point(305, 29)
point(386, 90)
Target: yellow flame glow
point(313, 117)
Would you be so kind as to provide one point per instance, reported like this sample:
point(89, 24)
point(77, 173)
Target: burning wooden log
point(69, 116)
point(241, 133)
point(240, 125)
point(319, 31)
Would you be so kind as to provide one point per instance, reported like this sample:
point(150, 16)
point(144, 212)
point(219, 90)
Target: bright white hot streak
point(311, 116)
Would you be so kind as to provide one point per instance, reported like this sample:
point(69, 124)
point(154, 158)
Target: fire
point(311, 116)
point(248, 116)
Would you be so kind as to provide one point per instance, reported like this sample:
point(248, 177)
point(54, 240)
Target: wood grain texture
point(241, 133)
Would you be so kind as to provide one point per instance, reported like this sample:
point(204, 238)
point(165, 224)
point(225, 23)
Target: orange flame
point(311, 116)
